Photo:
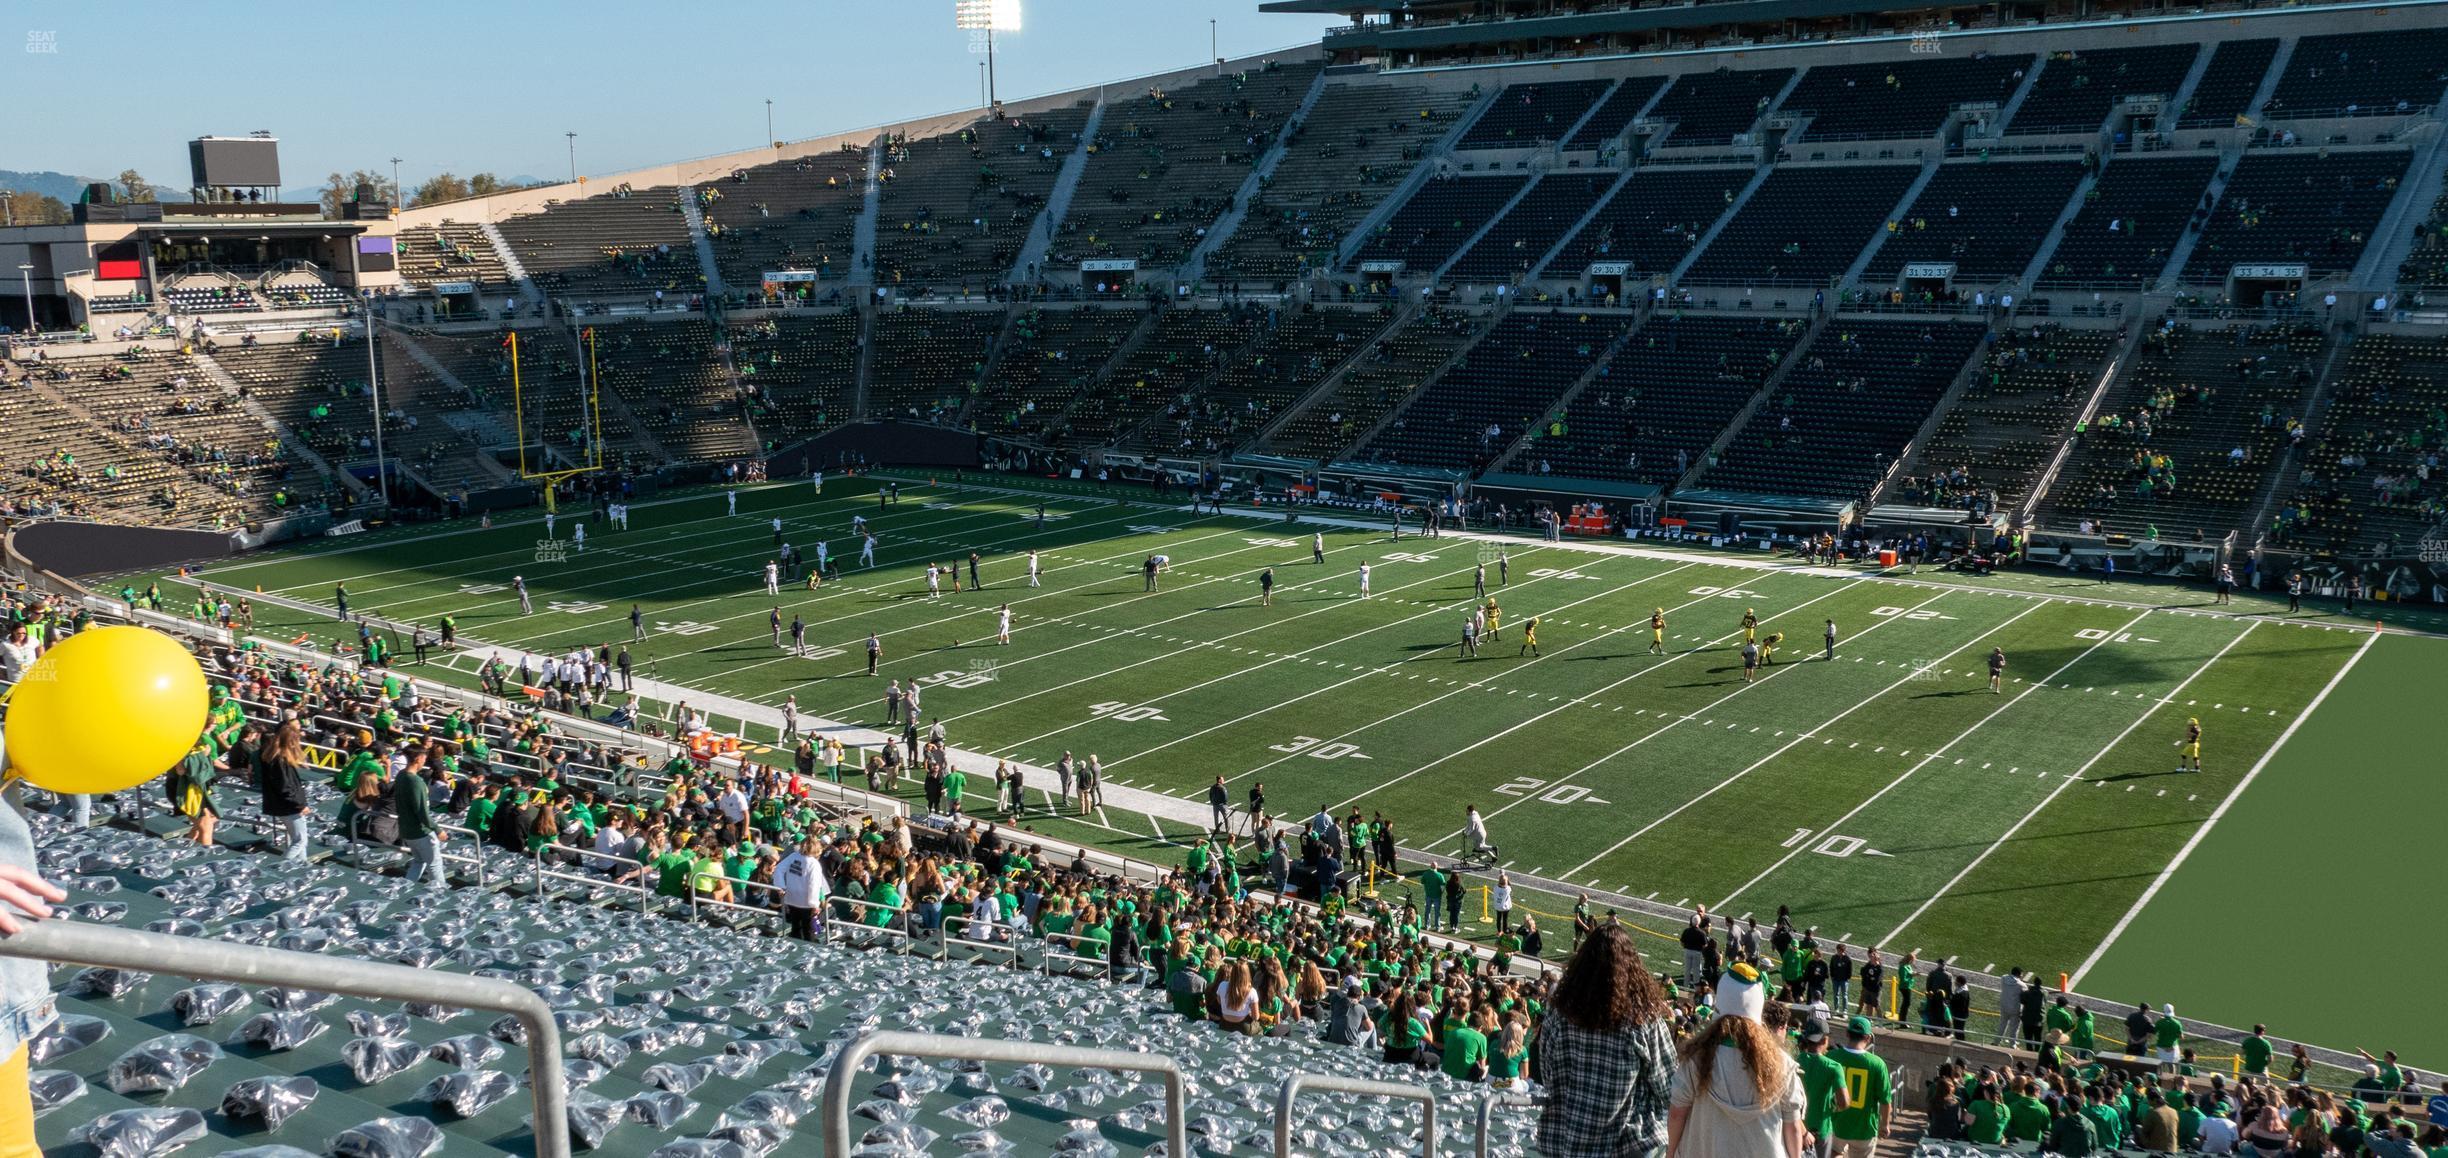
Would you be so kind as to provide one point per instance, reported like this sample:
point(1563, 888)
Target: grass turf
point(1887, 796)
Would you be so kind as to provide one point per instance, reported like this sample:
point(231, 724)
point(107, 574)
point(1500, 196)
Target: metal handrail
point(1289, 1095)
point(843, 1074)
point(584, 860)
point(82, 944)
point(1486, 1114)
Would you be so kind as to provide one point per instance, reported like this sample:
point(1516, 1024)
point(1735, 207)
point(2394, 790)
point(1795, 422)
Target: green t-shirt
point(672, 873)
point(2257, 1051)
point(1464, 1048)
point(480, 815)
point(2167, 1033)
point(1821, 1078)
point(2027, 1118)
point(2188, 1127)
point(1988, 1122)
point(1865, 1078)
point(955, 783)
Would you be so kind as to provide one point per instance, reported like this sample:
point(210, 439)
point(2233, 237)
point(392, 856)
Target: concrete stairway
point(528, 290)
point(1194, 267)
point(1058, 201)
point(692, 213)
point(1759, 177)
point(1903, 208)
point(863, 231)
point(1767, 389)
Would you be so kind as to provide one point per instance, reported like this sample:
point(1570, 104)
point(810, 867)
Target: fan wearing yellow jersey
point(1657, 632)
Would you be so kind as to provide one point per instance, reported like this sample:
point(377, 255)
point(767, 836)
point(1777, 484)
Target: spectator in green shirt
point(1823, 1089)
point(1988, 1117)
point(2070, 1134)
point(2027, 1117)
point(1465, 1057)
point(2257, 1051)
point(1871, 1106)
point(2165, 1034)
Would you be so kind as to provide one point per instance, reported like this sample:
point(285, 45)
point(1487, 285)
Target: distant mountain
point(67, 187)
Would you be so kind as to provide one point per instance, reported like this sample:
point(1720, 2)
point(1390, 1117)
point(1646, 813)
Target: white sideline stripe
point(1918, 765)
point(1308, 696)
point(2161, 880)
point(2067, 782)
point(1217, 644)
point(1485, 740)
point(1810, 734)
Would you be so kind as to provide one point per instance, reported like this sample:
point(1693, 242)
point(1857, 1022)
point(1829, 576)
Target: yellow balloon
point(106, 710)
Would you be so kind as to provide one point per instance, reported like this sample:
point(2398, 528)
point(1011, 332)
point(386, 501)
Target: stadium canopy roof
point(1564, 26)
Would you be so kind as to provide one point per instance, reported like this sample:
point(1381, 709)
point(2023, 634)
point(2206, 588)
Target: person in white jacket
point(802, 880)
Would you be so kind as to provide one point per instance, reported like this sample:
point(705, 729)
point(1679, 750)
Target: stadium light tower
point(981, 19)
point(396, 195)
point(25, 277)
point(573, 154)
point(770, 139)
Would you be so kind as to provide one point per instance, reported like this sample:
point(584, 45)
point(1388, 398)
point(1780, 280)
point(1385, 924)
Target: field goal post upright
point(592, 408)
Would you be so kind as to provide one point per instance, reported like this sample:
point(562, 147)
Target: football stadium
point(1416, 590)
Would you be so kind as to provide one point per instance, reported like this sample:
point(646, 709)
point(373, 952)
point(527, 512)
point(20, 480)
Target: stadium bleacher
point(1991, 447)
point(1709, 108)
point(2371, 480)
point(1516, 242)
point(317, 388)
point(1615, 113)
point(1666, 396)
point(625, 243)
point(1803, 226)
point(1180, 348)
point(1986, 218)
point(2318, 209)
point(1292, 350)
point(2363, 74)
point(2228, 83)
point(1532, 113)
point(1653, 221)
point(957, 208)
point(1438, 218)
point(140, 437)
point(2186, 439)
point(1508, 380)
point(670, 376)
point(1169, 162)
point(1355, 146)
point(449, 251)
point(1888, 99)
point(2130, 223)
point(800, 371)
point(1050, 357)
point(1377, 382)
point(2076, 90)
point(927, 362)
point(1846, 409)
point(787, 215)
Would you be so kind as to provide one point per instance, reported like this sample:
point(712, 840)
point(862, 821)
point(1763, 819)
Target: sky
point(466, 86)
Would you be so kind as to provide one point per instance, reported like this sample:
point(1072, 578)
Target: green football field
point(1887, 795)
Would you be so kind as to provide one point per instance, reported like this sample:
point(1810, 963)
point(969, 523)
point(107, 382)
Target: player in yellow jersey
point(1657, 632)
point(1495, 620)
point(1768, 647)
point(1529, 637)
point(1750, 625)
point(2188, 750)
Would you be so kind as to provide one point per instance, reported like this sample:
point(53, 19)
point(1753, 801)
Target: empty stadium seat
point(1835, 423)
point(1532, 113)
point(1990, 447)
point(624, 243)
point(1987, 218)
point(2130, 223)
point(1358, 142)
point(1653, 221)
point(1508, 381)
point(1803, 226)
point(1887, 99)
point(2315, 208)
point(1521, 237)
point(788, 215)
point(957, 208)
point(2362, 74)
point(2228, 84)
point(1664, 399)
point(2076, 90)
point(1437, 219)
point(1709, 108)
point(1378, 381)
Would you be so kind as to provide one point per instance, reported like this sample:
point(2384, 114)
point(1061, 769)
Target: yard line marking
point(2195, 840)
point(1782, 861)
point(1337, 606)
point(1474, 745)
point(1762, 762)
point(2063, 784)
point(1306, 697)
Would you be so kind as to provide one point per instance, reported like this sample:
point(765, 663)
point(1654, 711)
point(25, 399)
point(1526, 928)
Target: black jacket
point(283, 794)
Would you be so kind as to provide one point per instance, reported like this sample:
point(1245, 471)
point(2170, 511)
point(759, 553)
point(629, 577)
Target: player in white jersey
point(867, 552)
point(578, 536)
point(1033, 569)
point(1317, 547)
point(1364, 581)
point(819, 482)
point(824, 554)
point(731, 502)
point(773, 577)
point(1003, 624)
point(934, 581)
point(548, 524)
